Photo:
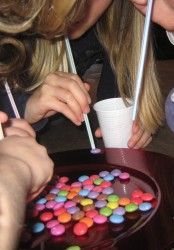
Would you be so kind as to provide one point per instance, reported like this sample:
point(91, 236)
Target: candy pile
point(90, 200)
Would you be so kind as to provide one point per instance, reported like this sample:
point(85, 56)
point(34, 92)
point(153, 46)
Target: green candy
point(63, 193)
point(112, 198)
point(106, 211)
point(98, 181)
point(131, 207)
point(73, 248)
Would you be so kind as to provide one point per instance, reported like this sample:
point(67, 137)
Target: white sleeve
point(170, 36)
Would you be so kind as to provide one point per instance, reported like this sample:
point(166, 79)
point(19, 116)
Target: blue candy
point(38, 227)
point(116, 219)
point(60, 198)
point(84, 192)
point(41, 201)
point(145, 206)
point(108, 177)
point(83, 178)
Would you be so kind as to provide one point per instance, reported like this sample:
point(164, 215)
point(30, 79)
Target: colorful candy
point(91, 199)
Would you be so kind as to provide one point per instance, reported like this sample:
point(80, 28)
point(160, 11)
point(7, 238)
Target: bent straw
point(11, 99)
point(144, 45)
point(73, 70)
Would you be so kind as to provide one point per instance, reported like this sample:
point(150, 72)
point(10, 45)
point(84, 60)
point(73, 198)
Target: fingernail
point(86, 110)
point(78, 123)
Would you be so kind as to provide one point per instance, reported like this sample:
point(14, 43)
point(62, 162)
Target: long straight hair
point(120, 31)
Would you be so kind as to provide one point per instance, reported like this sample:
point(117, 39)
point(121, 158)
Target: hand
point(163, 12)
point(29, 152)
point(15, 126)
point(60, 93)
point(140, 138)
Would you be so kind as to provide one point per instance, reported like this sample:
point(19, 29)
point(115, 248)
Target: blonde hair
point(120, 32)
point(32, 38)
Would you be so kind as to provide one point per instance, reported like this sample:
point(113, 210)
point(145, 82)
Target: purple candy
point(54, 191)
point(169, 110)
point(93, 195)
point(115, 172)
point(103, 173)
point(108, 190)
point(119, 211)
point(73, 210)
point(95, 151)
point(100, 204)
point(58, 230)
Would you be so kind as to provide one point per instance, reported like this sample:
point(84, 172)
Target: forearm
point(14, 187)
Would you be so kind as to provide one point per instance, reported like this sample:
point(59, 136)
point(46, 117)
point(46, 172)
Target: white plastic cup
point(115, 121)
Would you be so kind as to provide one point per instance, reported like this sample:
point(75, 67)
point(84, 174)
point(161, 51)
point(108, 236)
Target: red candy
point(92, 213)
point(147, 197)
point(63, 179)
point(59, 211)
point(137, 193)
point(106, 184)
point(80, 228)
point(46, 216)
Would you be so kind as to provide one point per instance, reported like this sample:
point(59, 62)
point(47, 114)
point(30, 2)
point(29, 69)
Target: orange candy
point(71, 195)
point(64, 218)
point(124, 201)
point(88, 221)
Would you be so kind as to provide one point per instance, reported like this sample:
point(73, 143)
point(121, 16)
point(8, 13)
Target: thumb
point(98, 133)
point(3, 117)
point(135, 128)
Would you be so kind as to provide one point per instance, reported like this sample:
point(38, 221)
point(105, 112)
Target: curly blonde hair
point(32, 38)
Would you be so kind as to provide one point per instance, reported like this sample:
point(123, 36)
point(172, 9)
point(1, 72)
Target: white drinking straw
point(11, 99)
point(73, 70)
point(1, 132)
point(144, 45)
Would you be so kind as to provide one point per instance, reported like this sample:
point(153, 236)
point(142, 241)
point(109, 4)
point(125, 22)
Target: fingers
point(73, 83)
point(18, 127)
point(98, 133)
point(140, 138)
point(3, 117)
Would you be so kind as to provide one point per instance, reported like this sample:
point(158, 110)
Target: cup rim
point(113, 110)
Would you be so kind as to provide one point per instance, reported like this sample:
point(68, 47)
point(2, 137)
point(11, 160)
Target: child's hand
point(60, 93)
point(33, 155)
point(140, 138)
point(15, 126)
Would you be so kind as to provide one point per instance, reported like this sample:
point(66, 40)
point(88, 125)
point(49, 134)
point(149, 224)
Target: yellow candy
point(85, 202)
point(112, 204)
